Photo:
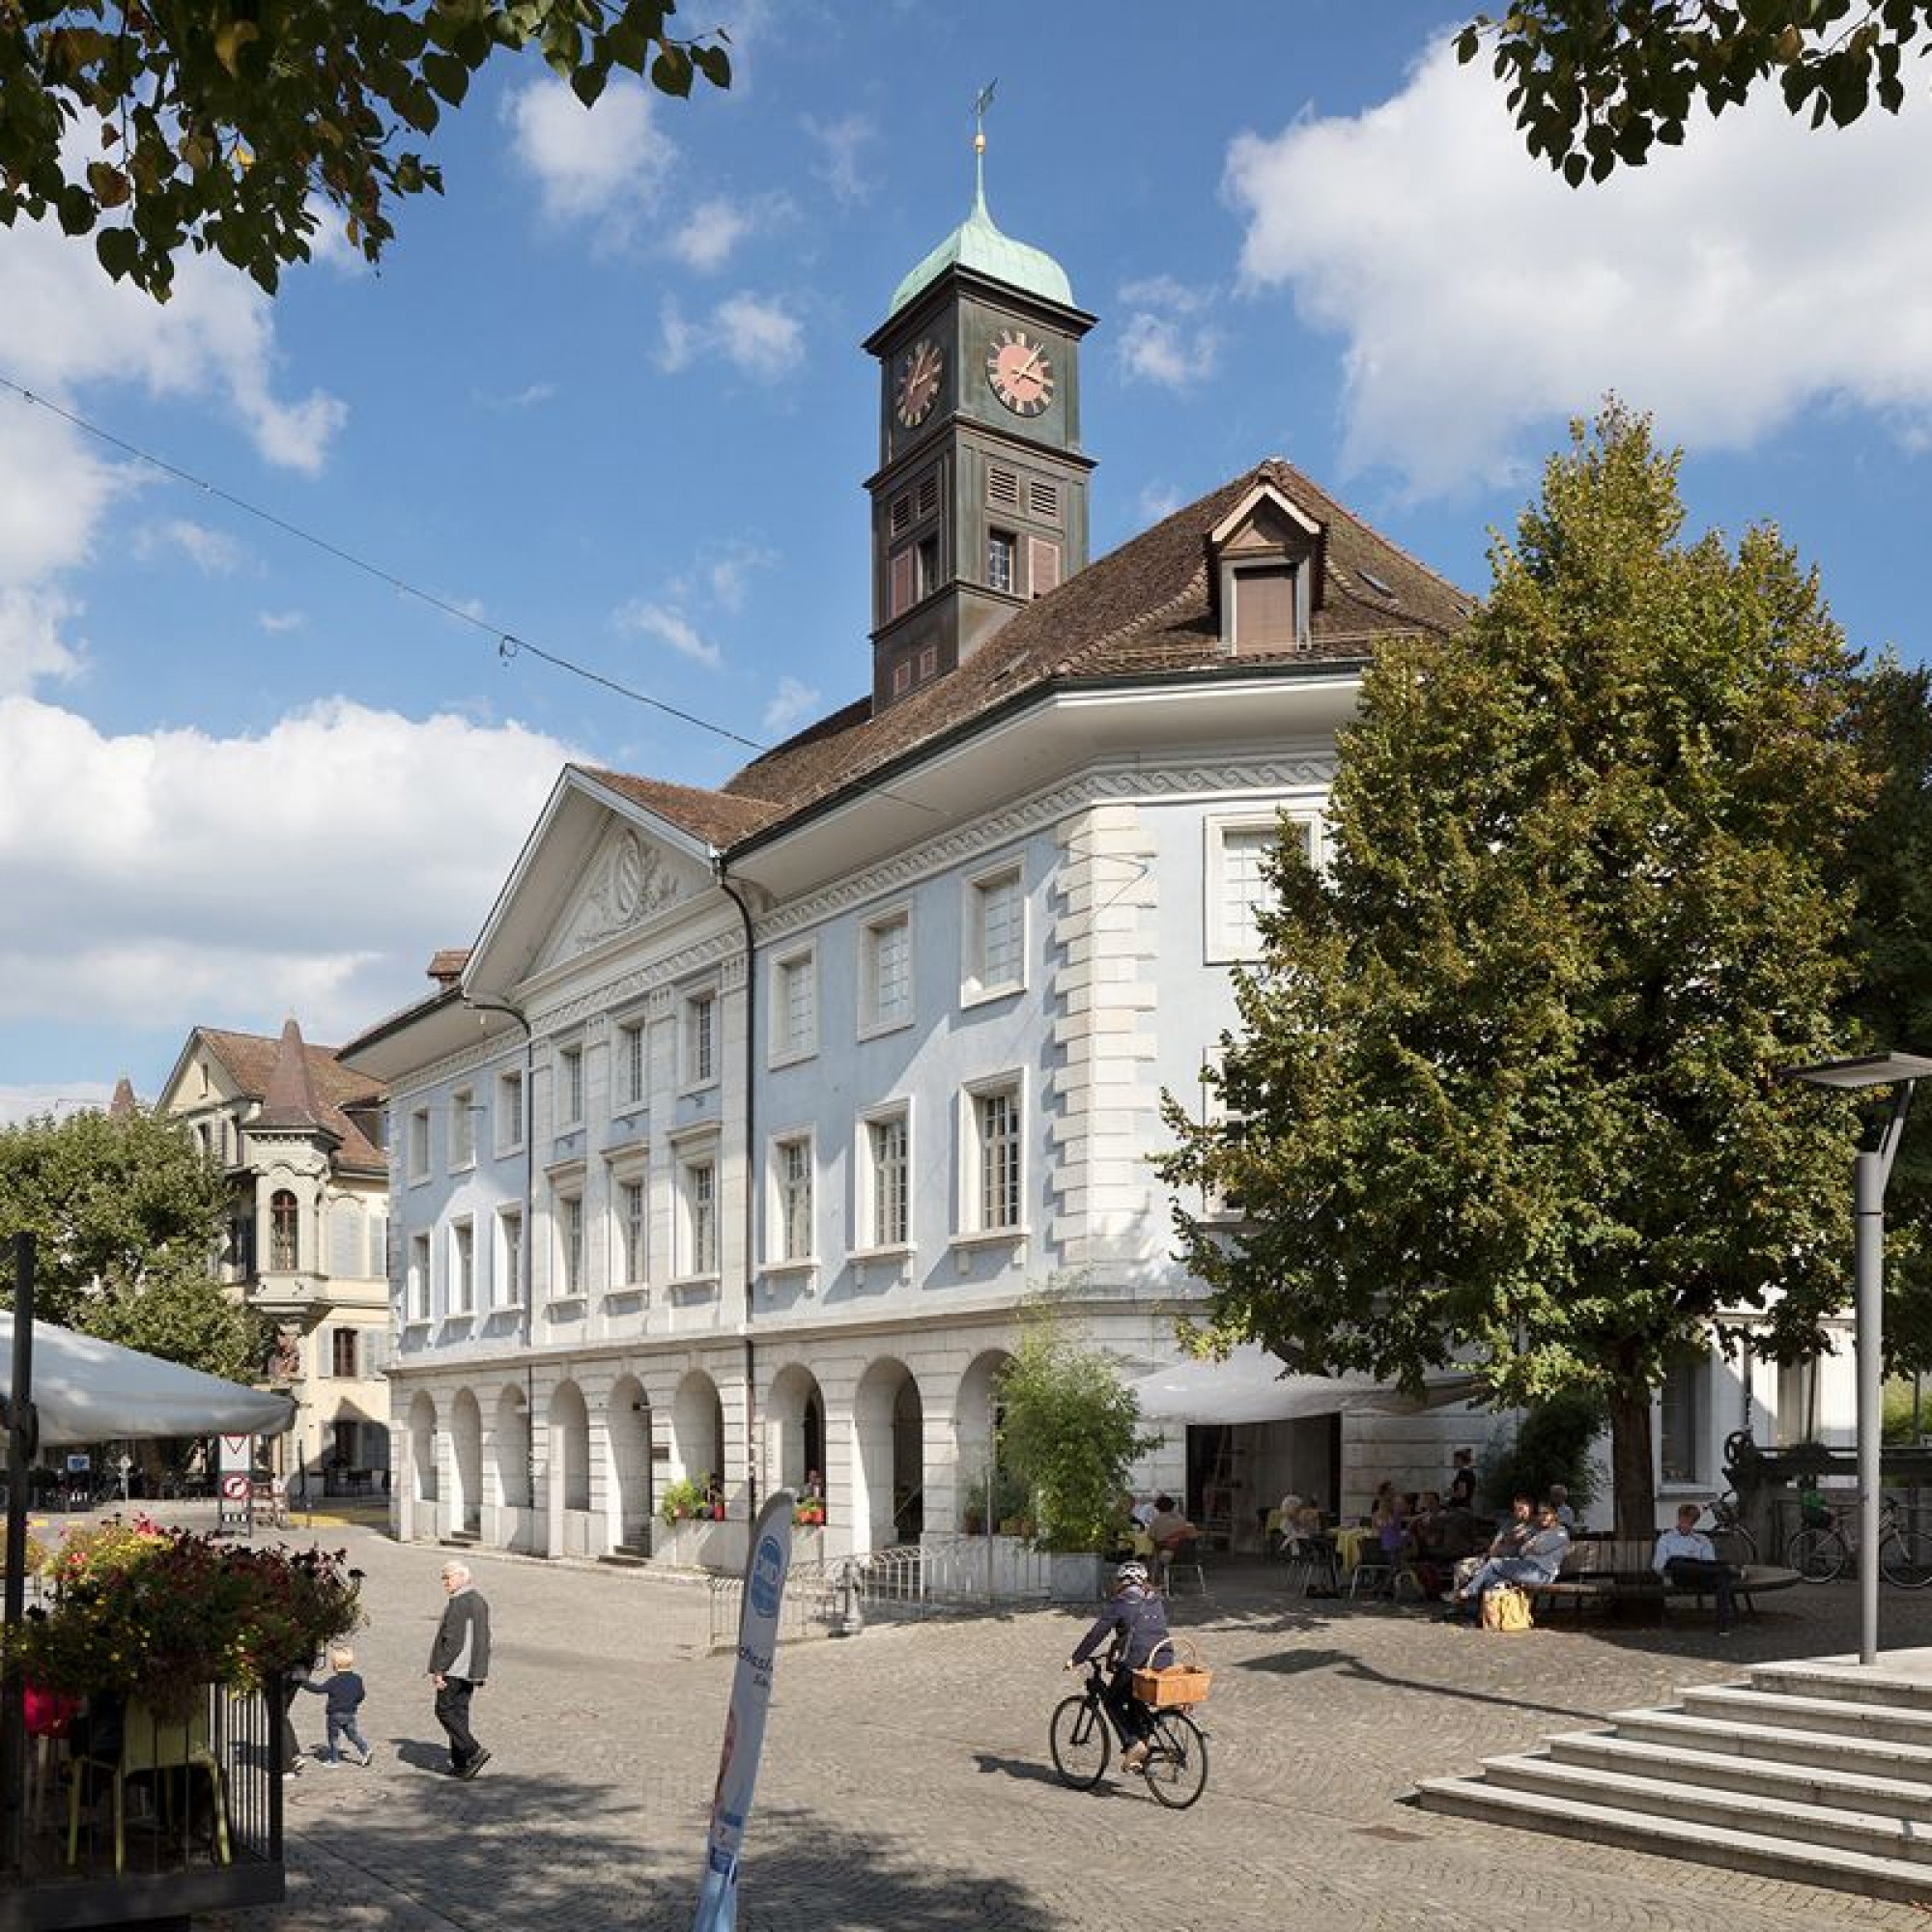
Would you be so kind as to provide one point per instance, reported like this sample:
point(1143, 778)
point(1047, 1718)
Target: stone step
point(1801, 1825)
point(1842, 1681)
point(1740, 1704)
point(1846, 1750)
point(1571, 1816)
point(621, 1558)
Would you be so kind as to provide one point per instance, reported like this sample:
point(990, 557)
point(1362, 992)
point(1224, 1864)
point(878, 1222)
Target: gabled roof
point(248, 1058)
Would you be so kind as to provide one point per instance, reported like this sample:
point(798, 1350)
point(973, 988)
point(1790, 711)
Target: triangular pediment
point(629, 881)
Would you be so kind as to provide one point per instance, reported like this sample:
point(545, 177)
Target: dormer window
point(1268, 554)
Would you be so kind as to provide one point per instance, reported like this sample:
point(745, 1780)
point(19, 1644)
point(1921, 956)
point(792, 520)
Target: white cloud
point(1164, 292)
point(1159, 501)
point(762, 339)
point(1759, 269)
point(727, 577)
point(32, 645)
point(605, 163)
point(791, 702)
point(123, 909)
point(527, 398)
point(759, 337)
point(275, 622)
point(1157, 349)
point(59, 1099)
point(212, 553)
point(841, 145)
point(643, 618)
point(706, 240)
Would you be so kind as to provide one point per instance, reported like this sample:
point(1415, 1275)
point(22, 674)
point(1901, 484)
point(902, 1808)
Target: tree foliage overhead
point(1506, 1077)
point(1595, 84)
point(125, 1210)
point(225, 123)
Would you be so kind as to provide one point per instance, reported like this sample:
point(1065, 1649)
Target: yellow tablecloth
point(1348, 1545)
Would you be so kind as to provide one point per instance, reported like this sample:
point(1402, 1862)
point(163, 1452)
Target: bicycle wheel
point(1905, 1558)
point(1818, 1555)
point(1081, 1740)
point(1176, 1761)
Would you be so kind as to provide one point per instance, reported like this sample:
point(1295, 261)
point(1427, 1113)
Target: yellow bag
point(1505, 1608)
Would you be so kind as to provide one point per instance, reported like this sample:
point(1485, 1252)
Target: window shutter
point(1002, 486)
point(902, 595)
point(1043, 499)
point(901, 514)
point(929, 493)
point(1265, 607)
point(1042, 566)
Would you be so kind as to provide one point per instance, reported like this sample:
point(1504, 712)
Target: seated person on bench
point(1686, 1558)
point(1537, 1560)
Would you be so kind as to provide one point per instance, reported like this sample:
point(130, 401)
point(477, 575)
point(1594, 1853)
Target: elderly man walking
point(459, 1661)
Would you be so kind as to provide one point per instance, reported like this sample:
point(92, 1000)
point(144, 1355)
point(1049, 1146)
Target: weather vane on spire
point(981, 101)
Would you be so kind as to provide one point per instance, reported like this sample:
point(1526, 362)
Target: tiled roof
point(1144, 610)
point(447, 963)
point(249, 1061)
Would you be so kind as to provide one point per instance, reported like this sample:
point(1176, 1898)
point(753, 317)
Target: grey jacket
point(462, 1646)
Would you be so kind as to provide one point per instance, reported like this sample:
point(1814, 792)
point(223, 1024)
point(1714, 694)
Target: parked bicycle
point(1823, 1551)
point(1734, 1543)
point(1082, 1739)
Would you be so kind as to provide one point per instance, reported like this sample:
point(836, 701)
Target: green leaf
point(587, 84)
point(75, 210)
point(448, 76)
point(671, 72)
point(117, 250)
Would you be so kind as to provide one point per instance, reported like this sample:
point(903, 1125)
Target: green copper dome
point(976, 244)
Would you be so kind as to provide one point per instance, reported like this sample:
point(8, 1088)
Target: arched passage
point(512, 1459)
point(627, 1427)
point(466, 1456)
point(889, 1474)
point(795, 1428)
point(697, 1427)
point(569, 1448)
point(420, 1499)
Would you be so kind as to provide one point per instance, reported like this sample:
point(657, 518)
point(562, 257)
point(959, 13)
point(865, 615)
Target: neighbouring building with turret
point(300, 1138)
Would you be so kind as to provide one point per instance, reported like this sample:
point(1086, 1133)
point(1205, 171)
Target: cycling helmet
point(1129, 1574)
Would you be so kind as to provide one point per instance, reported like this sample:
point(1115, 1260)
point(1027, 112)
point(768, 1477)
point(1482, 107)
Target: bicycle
point(1823, 1553)
point(1081, 1737)
point(1735, 1544)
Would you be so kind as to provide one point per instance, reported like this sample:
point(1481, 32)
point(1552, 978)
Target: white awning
point(86, 1390)
point(1253, 1386)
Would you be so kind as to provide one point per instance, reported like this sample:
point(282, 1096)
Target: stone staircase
point(1815, 1772)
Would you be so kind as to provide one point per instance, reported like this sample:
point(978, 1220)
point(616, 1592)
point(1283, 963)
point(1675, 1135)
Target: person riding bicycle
point(1133, 1625)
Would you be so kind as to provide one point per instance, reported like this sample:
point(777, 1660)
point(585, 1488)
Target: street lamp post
point(1870, 1173)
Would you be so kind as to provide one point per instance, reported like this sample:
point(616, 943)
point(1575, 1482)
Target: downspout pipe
point(528, 1125)
point(731, 891)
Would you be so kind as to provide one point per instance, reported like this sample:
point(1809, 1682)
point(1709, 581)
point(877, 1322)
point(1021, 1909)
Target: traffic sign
point(235, 1488)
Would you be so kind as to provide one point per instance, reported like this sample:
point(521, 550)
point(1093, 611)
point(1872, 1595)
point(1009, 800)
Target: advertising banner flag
point(745, 1724)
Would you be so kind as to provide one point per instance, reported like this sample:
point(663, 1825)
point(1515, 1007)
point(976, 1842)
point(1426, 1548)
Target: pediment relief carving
point(627, 884)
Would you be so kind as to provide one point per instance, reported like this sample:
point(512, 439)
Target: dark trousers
point(1716, 1578)
point(1128, 1713)
point(452, 1712)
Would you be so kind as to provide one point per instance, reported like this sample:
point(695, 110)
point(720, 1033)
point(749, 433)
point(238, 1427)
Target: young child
point(341, 1688)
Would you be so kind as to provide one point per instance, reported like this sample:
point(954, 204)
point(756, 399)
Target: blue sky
point(607, 394)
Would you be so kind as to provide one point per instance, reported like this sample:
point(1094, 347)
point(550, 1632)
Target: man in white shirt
point(1686, 1555)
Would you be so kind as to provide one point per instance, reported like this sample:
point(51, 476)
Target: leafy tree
point(1552, 1444)
point(1594, 84)
point(125, 1211)
point(1068, 1431)
point(223, 126)
point(1506, 1078)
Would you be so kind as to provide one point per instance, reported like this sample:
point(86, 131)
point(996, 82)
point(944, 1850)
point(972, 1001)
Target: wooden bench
point(1613, 1570)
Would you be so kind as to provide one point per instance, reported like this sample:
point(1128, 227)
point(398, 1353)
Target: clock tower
point(980, 500)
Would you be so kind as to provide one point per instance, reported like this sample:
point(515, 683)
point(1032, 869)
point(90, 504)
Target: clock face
point(919, 370)
point(1019, 372)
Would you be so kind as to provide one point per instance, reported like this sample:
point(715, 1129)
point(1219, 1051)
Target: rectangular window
point(697, 1186)
point(1042, 566)
point(1265, 613)
point(510, 1112)
point(1797, 1403)
point(1238, 886)
point(700, 1039)
point(462, 1130)
point(1681, 1423)
point(888, 1213)
point(418, 1281)
point(885, 966)
point(462, 1266)
point(342, 1354)
point(631, 1063)
point(792, 1176)
point(510, 1258)
point(569, 1086)
point(996, 1149)
point(631, 1228)
point(569, 1245)
point(902, 677)
point(419, 1144)
point(1001, 550)
point(795, 1007)
point(996, 938)
point(926, 565)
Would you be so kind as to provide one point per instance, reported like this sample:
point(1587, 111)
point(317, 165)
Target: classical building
point(738, 1140)
point(302, 1138)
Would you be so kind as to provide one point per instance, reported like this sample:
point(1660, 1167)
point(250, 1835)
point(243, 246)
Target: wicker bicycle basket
point(1180, 1681)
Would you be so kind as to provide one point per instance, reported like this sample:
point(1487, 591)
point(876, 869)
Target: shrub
point(1552, 1444)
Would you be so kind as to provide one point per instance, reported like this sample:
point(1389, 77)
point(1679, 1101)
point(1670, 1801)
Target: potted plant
point(157, 1615)
point(808, 1513)
point(682, 1501)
